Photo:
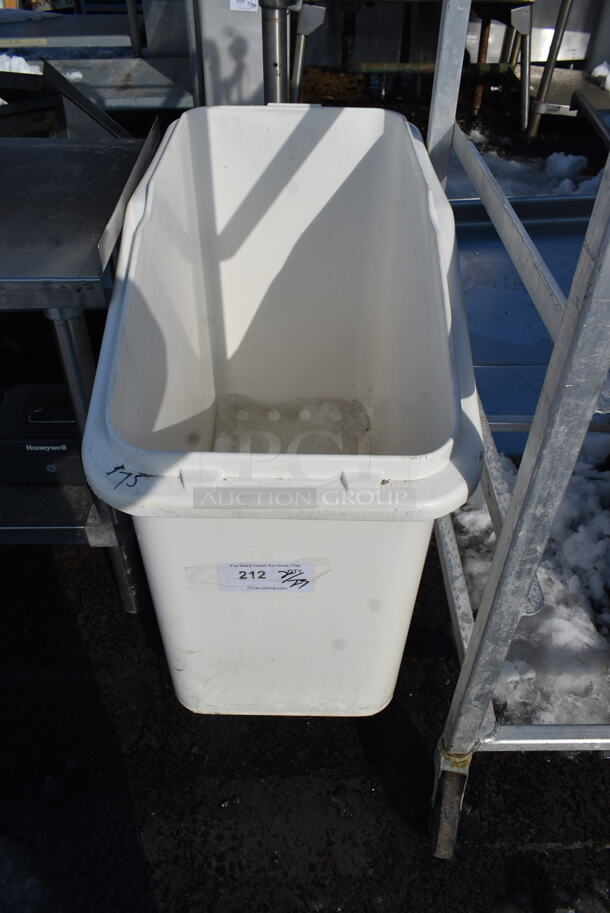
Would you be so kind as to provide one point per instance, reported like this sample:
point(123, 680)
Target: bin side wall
point(324, 269)
point(164, 389)
point(335, 650)
point(287, 254)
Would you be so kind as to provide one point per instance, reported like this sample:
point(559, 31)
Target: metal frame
point(577, 373)
point(539, 103)
point(64, 302)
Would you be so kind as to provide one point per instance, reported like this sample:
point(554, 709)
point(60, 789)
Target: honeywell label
point(292, 577)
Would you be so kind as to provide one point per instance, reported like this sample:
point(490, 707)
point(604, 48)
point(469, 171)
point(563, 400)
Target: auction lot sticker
point(293, 577)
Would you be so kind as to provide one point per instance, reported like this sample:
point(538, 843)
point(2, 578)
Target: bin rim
point(431, 471)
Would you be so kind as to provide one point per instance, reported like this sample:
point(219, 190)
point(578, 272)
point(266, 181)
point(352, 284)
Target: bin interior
point(286, 255)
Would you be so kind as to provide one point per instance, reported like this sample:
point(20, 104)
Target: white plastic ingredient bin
point(285, 400)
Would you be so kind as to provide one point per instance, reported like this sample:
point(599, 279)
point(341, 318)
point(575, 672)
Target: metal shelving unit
point(62, 31)
point(152, 79)
point(55, 250)
point(574, 389)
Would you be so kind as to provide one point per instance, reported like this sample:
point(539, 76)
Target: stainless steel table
point(62, 213)
point(133, 82)
point(67, 31)
point(62, 207)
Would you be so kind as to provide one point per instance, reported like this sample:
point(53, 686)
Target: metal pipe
point(79, 367)
point(125, 559)
point(76, 357)
point(460, 608)
point(297, 68)
point(134, 28)
point(482, 58)
point(507, 44)
point(195, 55)
point(526, 43)
point(484, 39)
point(548, 737)
point(446, 86)
point(549, 67)
point(310, 18)
point(514, 51)
point(497, 494)
point(276, 68)
point(348, 36)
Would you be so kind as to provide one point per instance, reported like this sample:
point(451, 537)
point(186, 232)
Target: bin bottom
point(283, 617)
point(299, 426)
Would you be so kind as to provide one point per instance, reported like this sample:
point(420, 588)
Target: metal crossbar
point(533, 271)
point(580, 329)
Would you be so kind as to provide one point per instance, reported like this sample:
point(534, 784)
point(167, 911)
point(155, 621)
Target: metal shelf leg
point(446, 86)
point(276, 49)
point(526, 41)
point(134, 28)
point(521, 20)
point(446, 810)
point(76, 357)
point(79, 367)
point(451, 777)
point(126, 562)
point(549, 67)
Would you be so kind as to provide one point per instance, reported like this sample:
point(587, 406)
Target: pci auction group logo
point(302, 455)
point(320, 496)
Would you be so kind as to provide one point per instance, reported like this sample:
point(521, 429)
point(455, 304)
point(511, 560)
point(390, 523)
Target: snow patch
point(14, 64)
point(477, 137)
point(558, 666)
point(602, 72)
point(560, 173)
point(10, 63)
point(562, 166)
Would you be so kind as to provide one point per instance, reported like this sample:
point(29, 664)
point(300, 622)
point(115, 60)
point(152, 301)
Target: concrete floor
point(114, 798)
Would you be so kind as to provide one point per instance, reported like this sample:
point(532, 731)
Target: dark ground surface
point(115, 798)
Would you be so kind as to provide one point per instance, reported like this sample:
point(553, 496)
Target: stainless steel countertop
point(62, 210)
point(102, 30)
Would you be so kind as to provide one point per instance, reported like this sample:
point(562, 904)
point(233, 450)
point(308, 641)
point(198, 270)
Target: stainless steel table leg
point(549, 67)
point(76, 356)
point(297, 68)
point(125, 560)
point(195, 53)
point(276, 44)
point(515, 48)
point(134, 28)
point(521, 20)
point(447, 802)
point(79, 367)
point(310, 18)
point(446, 86)
point(482, 58)
point(507, 44)
point(525, 79)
